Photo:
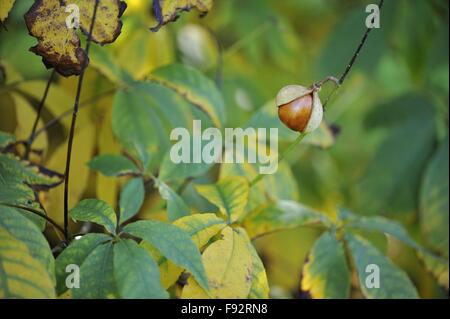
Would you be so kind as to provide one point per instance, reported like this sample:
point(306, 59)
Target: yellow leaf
point(82, 151)
point(229, 266)
point(21, 275)
point(260, 285)
point(106, 187)
point(201, 228)
point(26, 116)
point(168, 10)
point(230, 195)
point(5, 7)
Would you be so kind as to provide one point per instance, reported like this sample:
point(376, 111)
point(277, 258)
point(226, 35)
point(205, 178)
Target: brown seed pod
point(299, 108)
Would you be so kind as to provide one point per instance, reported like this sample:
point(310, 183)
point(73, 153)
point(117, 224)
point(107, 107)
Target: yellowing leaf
point(107, 22)
point(21, 276)
point(201, 228)
point(229, 266)
point(168, 10)
point(59, 45)
point(5, 7)
point(230, 195)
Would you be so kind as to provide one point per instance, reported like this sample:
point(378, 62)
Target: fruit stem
point(283, 155)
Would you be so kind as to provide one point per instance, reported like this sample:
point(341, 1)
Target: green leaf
point(279, 216)
point(113, 165)
point(134, 121)
point(169, 171)
point(393, 175)
point(136, 273)
point(230, 195)
point(195, 88)
point(326, 274)
point(5, 8)
point(201, 228)
point(95, 211)
point(131, 198)
point(13, 169)
point(434, 211)
point(24, 230)
point(394, 282)
point(172, 242)
point(97, 275)
point(168, 11)
point(229, 266)
point(21, 275)
point(434, 208)
point(382, 225)
point(76, 254)
point(6, 139)
point(176, 207)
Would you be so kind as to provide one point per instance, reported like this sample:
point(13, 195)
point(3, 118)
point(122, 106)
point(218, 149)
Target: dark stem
point(72, 127)
point(70, 111)
point(38, 213)
point(353, 59)
point(38, 114)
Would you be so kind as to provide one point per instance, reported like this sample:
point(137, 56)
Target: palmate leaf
point(168, 10)
point(172, 242)
point(21, 275)
point(229, 267)
point(24, 230)
point(76, 254)
point(5, 8)
point(135, 272)
point(230, 195)
point(95, 211)
point(394, 282)
point(326, 274)
point(60, 46)
point(201, 228)
point(131, 198)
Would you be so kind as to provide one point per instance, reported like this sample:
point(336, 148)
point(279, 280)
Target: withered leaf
point(107, 22)
point(59, 45)
point(5, 8)
point(168, 10)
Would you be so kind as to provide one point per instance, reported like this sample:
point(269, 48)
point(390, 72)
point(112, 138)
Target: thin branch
point(355, 56)
point(32, 136)
point(70, 111)
point(72, 127)
point(38, 213)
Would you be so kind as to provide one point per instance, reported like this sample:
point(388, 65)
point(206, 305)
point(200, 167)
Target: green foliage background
point(389, 155)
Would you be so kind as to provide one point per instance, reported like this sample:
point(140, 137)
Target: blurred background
point(384, 151)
